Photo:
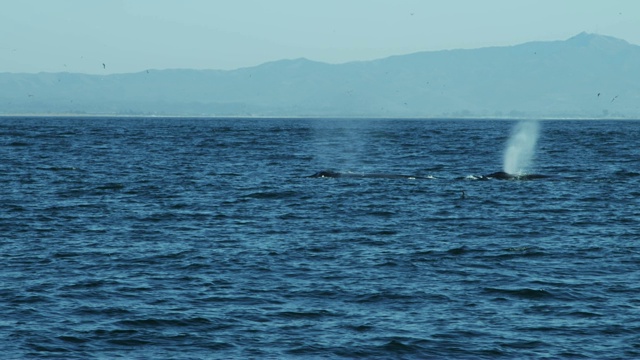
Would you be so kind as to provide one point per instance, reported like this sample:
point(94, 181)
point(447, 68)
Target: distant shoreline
point(306, 117)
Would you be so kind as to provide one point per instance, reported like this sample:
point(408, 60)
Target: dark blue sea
point(175, 238)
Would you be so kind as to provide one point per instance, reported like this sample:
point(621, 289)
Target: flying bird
point(615, 97)
point(104, 66)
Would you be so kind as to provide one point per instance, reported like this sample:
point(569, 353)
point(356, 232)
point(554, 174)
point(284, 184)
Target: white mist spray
point(520, 147)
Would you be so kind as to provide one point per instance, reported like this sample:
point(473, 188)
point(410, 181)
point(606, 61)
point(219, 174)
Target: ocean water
point(158, 238)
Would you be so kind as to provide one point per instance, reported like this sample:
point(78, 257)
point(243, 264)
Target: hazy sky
point(135, 35)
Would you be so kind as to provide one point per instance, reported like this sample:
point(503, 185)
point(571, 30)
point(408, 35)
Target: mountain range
point(585, 76)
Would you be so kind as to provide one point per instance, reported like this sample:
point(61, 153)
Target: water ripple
point(205, 238)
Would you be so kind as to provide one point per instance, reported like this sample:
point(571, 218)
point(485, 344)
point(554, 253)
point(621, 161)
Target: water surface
point(204, 238)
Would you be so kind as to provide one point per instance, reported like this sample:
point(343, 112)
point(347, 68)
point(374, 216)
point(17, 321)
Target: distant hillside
point(585, 76)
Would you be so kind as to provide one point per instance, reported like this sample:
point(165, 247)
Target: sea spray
point(521, 147)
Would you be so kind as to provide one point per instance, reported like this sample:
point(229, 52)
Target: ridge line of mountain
point(585, 76)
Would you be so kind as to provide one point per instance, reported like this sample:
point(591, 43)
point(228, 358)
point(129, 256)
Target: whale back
point(501, 175)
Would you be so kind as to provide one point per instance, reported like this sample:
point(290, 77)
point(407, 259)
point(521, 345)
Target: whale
point(501, 175)
point(335, 174)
